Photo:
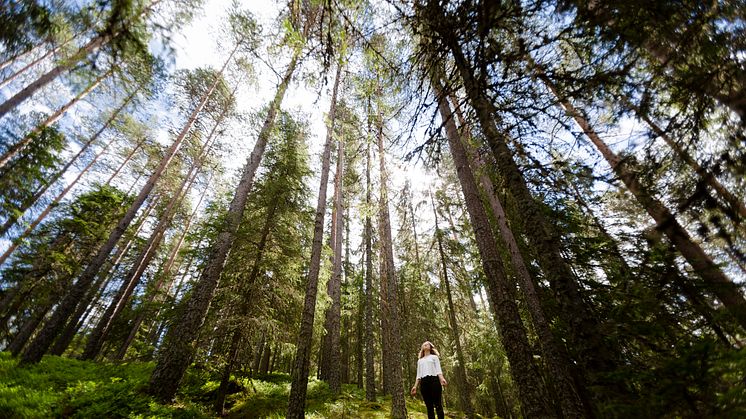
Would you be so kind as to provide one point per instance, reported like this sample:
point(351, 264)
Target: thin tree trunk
point(177, 351)
point(165, 275)
point(219, 404)
point(331, 351)
point(34, 62)
point(726, 291)
point(79, 289)
point(126, 160)
point(391, 305)
point(298, 388)
point(52, 205)
point(12, 102)
point(464, 389)
point(370, 373)
point(51, 119)
point(534, 396)
point(132, 279)
point(38, 194)
point(94, 294)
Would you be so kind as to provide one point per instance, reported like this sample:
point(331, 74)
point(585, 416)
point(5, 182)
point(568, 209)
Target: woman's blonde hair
point(432, 349)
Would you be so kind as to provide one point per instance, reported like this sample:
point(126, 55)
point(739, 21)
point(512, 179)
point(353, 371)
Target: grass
point(67, 388)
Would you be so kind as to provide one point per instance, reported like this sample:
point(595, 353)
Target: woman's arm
point(413, 391)
point(438, 370)
point(443, 381)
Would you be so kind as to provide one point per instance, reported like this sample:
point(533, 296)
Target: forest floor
point(69, 388)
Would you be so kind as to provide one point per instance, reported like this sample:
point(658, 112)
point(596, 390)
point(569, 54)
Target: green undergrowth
point(60, 387)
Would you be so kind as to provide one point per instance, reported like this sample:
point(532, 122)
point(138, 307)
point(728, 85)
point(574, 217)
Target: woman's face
point(427, 346)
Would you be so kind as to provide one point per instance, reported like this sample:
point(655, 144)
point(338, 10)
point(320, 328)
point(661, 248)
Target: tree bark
point(370, 372)
point(388, 277)
point(165, 276)
point(535, 400)
point(132, 279)
point(585, 336)
point(33, 62)
point(298, 388)
point(331, 350)
point(562, 381)
point(12, 102)
point(79, 289)
point(178, 351)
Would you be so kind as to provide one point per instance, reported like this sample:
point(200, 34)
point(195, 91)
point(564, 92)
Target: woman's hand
point(413, 391)
point(443, 381)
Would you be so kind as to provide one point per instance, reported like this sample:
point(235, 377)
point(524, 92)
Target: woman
point(431, 377)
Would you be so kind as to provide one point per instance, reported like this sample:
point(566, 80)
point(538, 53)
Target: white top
point(428, 365)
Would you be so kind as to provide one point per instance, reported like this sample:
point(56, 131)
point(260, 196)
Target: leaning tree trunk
point(66, 307)
point(52, 74)
point(37, 195)
point(33, 62)
point(331, 350)
point(585, 336)
point(535, 400)
point(132, 279)
point(165, 276)
point(51, 119)
point(298, 388)
point(564, 382)
point(370, 372)
point(391, 305)
point(726, 291)
point(464, 390)
point(178, 350)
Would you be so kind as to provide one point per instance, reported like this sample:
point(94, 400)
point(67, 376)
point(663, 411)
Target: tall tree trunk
point(331, 350)
point(585, 336)
point(726, 291)
point(165, 276)
point(33, 62)
point(219, 404)
point(12, 102)
point(96, 291)
point(463, 382)
point(535, 400)
point(370, 372)
point(177, 351)
point(126, 160)
point(38, 194)
point(563, 381)
point(132, 279)
point(390, 305)
point(51, 119)
point(40, 345)
point(298, 388)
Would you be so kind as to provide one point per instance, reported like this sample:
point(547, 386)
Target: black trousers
point(432, 393)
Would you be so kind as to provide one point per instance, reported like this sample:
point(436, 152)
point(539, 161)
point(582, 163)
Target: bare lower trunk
point(33, 62)
point(370, 373)
point(534, 396)
point(296, 404)
point(563, 381)
point(177, 351)
point(391, 305)
point(165, 276)
point(332, 316)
